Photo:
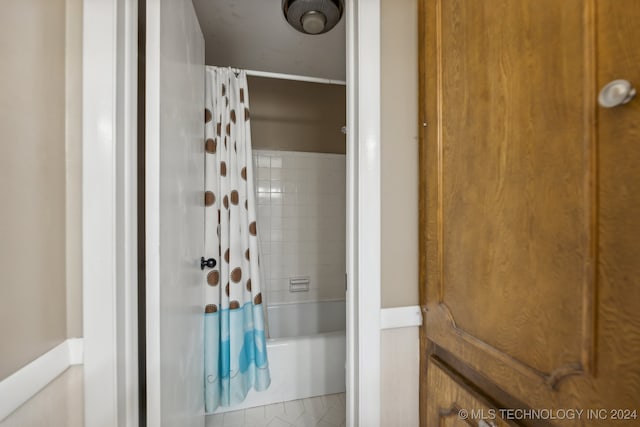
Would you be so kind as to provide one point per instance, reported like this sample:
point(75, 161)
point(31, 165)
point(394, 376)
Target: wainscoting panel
point(399, 362)
point(59, 404)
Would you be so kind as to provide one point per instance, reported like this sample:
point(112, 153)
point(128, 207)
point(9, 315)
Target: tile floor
point(320, 411)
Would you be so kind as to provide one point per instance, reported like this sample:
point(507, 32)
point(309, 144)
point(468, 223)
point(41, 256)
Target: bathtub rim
point(272, 342)
point(277, 304)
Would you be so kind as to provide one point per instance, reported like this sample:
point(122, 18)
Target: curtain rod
point(294, 77)
point(283, 76)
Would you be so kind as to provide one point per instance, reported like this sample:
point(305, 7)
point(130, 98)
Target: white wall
point(301, 223)
point(399, 166)
point(399, 152)
point(73, 147)
point(43, 119)
point(40, 178)
point(33, 312)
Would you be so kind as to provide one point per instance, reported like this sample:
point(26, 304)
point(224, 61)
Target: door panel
point(174, 213)
point(530, 218)
point(456, 404)
point(514, 199)
point(618, 156)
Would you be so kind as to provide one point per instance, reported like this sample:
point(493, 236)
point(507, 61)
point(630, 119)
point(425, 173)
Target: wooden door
point(457, 404)
point(530, 204)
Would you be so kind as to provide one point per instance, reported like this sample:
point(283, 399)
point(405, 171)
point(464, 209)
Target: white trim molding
point(363, 213)
point(400, 317)
point(76, 351)
point(368, 201)
point(18, 388)
point(99, 162)
point(351, 377)
point(127, 214)
point(109, 258)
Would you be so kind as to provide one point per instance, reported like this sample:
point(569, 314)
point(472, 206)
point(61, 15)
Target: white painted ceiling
point(254, 35)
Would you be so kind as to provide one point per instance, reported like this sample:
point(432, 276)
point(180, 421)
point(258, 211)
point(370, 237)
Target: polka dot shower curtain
point(235, 345)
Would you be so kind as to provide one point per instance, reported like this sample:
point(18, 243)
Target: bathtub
point(306, 351)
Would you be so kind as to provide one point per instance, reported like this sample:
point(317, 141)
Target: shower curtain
point(235, 344)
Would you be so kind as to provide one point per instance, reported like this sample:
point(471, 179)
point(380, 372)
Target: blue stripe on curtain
point(238, 361)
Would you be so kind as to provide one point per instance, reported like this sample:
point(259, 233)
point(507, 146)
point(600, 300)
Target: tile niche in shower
point(301, 213)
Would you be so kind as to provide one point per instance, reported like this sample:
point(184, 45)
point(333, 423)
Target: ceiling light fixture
point(313, 16)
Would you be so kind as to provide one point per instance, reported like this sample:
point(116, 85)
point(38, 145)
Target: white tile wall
point(301, 222)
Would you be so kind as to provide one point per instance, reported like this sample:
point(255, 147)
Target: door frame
point(109, 212)
point(363, 212)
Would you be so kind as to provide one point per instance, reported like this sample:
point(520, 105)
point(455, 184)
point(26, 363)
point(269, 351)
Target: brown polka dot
point(210, 146)
point(213, 278)
point(225, 202)
point(226, 255)
point(219, 129)
point(225, 142)
point(223, 169)
point(235, 147)
point(246, 204)
point(218, 216)
point(207, 115)
point(249, 285)
point(252, 228)
point(228, 130)
point(247, 116)
point(226, 289)
point(258, 299)
point(211, 308)
point(247, 255)
point(241, 95)
point(236, 275)
point(233, 305)
point(234, 197)
point(233, 116)
point(209, 198)
point(224, 90)
point(243, 173)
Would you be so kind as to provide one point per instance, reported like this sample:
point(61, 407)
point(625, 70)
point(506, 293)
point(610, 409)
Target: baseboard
point(400, 317)
point(21, 386)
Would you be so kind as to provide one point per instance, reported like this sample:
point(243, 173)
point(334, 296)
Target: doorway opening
point(110, 342)
point(297, 104)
